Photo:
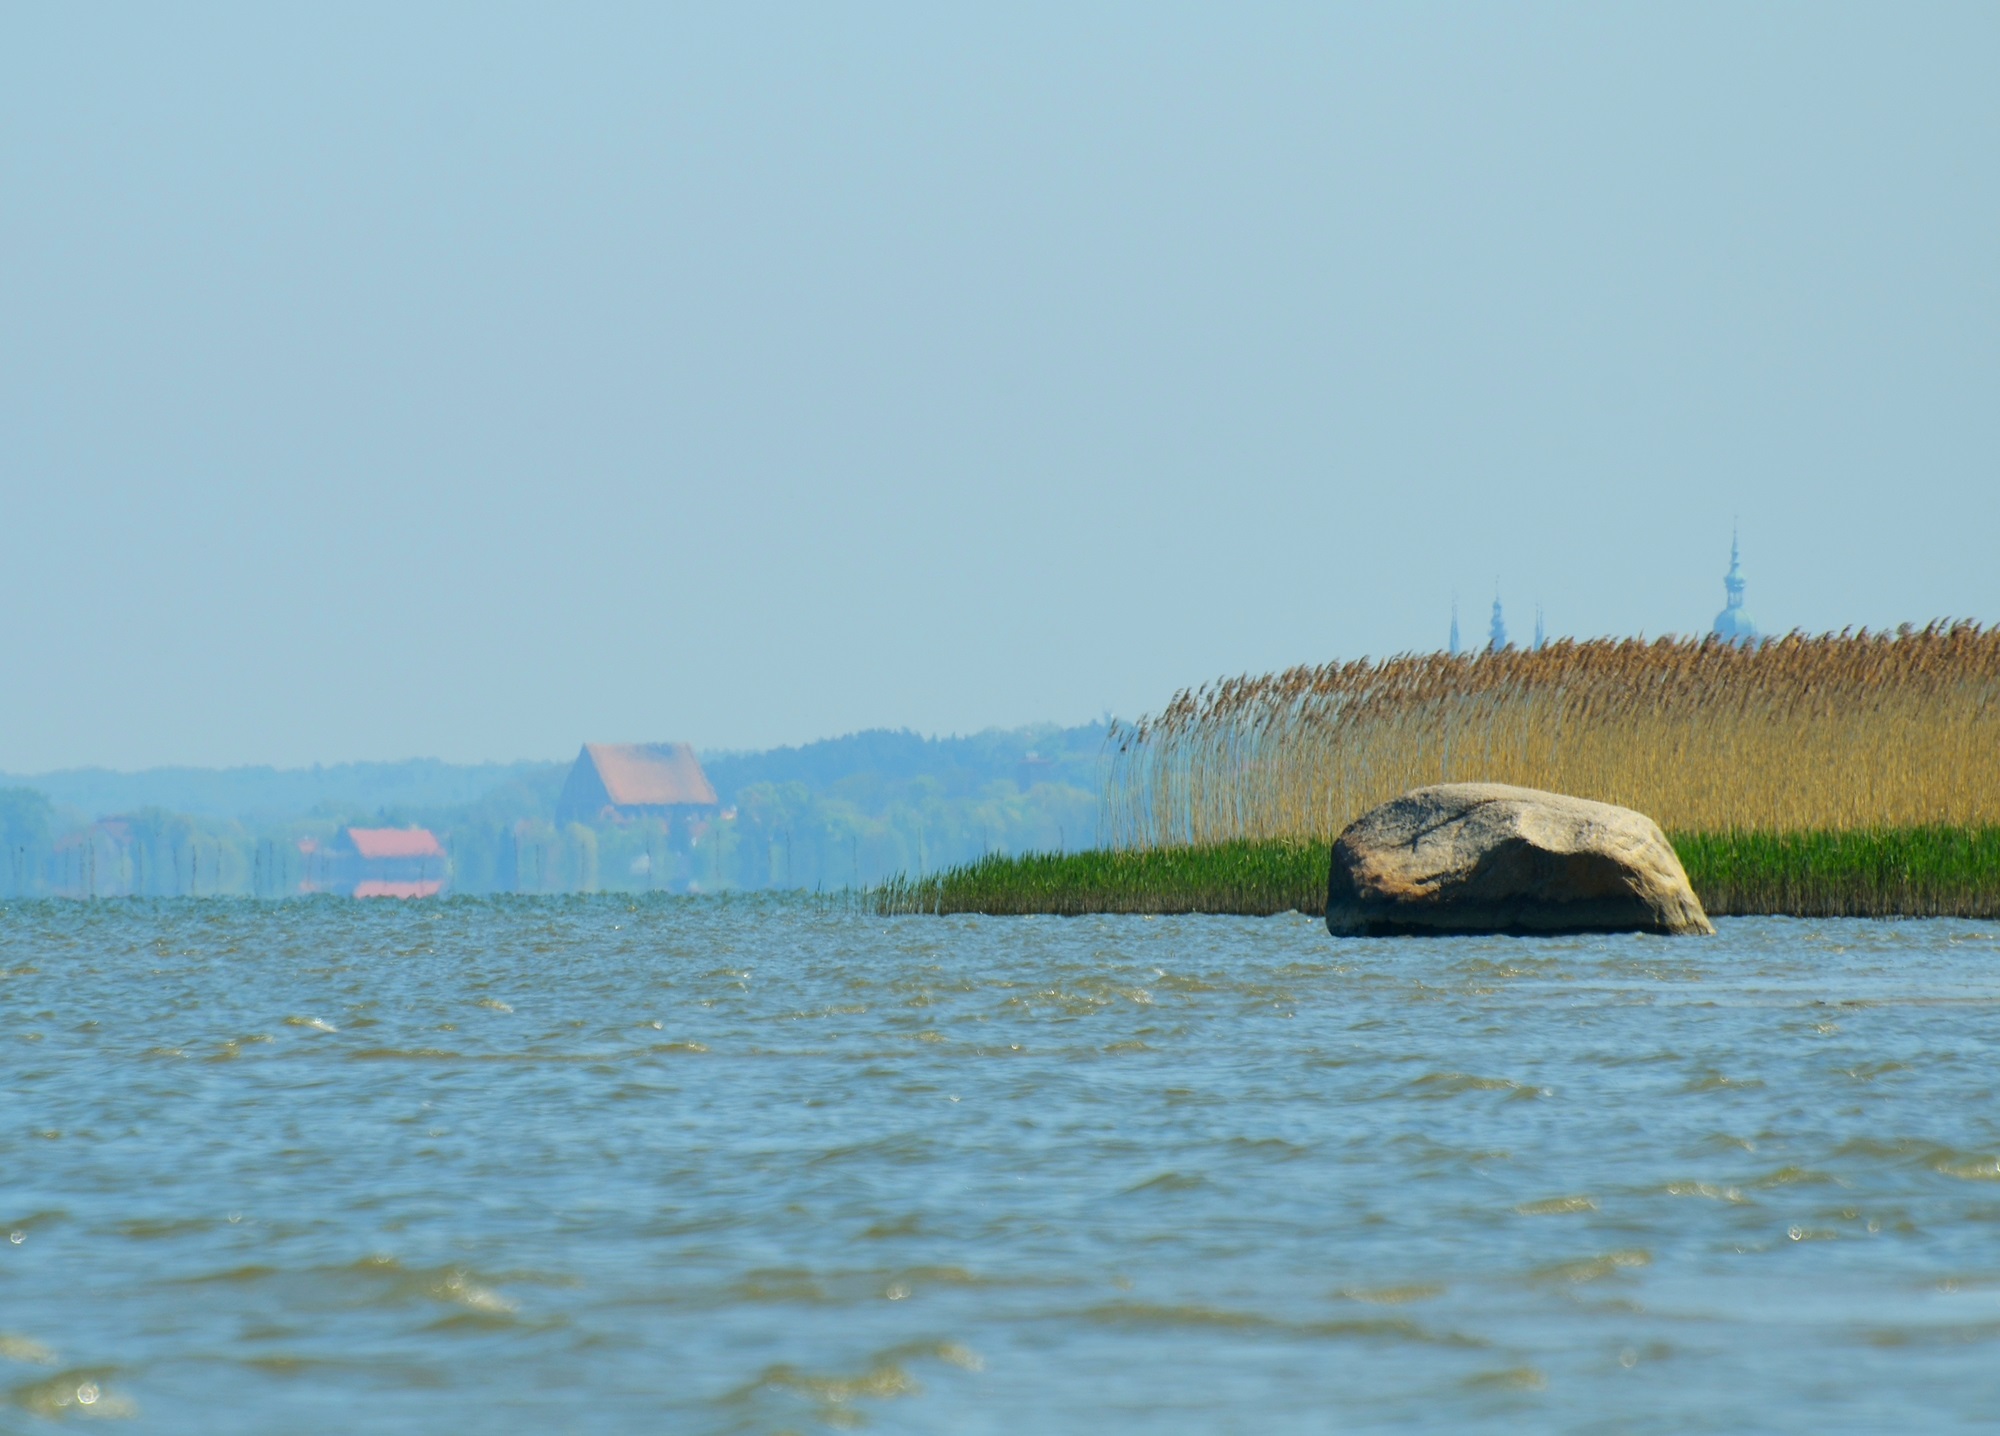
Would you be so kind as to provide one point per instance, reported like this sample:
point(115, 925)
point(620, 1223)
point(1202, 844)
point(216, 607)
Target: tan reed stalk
point(1834, 733)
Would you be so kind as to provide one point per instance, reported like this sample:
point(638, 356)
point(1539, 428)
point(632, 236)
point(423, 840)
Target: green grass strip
point(1249, 878)
point(1911, 872)
point(1905, 872)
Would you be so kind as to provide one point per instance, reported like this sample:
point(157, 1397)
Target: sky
point(471, 381)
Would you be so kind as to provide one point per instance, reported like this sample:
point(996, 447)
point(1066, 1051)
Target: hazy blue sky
point(471, 381)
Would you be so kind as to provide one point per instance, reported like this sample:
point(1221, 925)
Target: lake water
point(690, 1166)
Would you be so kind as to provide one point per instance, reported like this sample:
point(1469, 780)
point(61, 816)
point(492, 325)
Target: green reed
point(1907, 872)
point(1898, 872)
point(1252, 878)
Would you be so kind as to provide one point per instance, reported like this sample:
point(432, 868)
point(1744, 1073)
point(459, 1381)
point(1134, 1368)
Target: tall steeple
point(1454, 626)
point(1496, 638)
point(1541, 634)
point(1733, 625)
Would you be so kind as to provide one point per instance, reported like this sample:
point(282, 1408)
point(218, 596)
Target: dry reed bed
point(1829, 734)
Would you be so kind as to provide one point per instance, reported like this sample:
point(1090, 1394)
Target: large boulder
point(1484, 857)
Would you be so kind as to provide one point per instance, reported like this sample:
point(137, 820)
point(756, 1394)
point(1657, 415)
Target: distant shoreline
point(1908, 872)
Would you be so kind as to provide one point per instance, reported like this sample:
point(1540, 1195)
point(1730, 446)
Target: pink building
point(379, 862)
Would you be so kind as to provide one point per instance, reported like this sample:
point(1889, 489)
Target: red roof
point(428, 888)
point(394, 842)
point(651, 775)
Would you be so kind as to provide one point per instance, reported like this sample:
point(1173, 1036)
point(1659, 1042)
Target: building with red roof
point(388, 845)
point(618, 782)
point(380, 862)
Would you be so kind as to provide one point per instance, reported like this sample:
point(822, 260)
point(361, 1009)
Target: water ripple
point(535, 1165)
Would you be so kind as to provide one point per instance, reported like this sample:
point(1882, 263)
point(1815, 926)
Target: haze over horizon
point(469, 381)
point(562, 760)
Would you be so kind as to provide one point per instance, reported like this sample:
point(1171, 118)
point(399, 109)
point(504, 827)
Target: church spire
point(1733, 625)
point(1496, 638)
point(1454, 626)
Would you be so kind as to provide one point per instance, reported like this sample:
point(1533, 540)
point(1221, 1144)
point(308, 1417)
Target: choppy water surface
point(684, 1166)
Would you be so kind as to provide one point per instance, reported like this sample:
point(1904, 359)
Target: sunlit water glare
point(602, 1166)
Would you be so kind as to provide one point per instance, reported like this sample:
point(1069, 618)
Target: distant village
point(658, 790)
point(623, 817)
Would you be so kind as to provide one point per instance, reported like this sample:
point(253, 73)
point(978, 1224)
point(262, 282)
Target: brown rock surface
point(1484, 857)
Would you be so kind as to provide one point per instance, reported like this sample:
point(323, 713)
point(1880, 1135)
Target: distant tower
point(1496, 637)
point(1733, 625)
point(1454, 650)
point(1541, 634)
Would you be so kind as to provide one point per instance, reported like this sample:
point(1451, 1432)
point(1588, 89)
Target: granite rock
point(1487, 858)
